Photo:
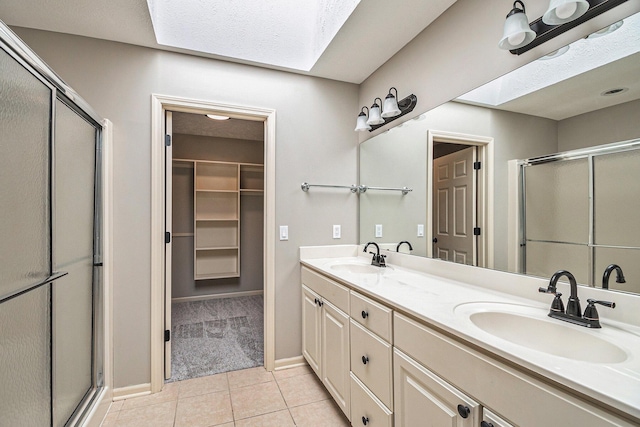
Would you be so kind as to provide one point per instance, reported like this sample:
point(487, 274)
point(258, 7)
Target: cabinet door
point(311, 339)
point(424, 399)
point(335, 355)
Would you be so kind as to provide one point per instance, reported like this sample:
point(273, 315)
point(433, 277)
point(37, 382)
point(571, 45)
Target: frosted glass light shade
point(390, 107)
point(361, 123)
point(374, 115)
point(561, 11)
point(517, 32)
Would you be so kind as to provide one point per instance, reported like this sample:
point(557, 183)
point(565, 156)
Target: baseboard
point(131, 391)
point(291, 362)
point(215, 296)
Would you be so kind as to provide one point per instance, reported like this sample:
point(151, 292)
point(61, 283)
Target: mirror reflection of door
point(454, 204)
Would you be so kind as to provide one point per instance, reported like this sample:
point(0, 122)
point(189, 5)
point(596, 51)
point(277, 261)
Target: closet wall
point(210, 148)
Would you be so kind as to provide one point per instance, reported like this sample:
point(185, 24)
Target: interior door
point(168, 206)
point(454, 207)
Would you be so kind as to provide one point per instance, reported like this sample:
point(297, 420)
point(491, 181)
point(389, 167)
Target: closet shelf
point(217, 248)
point(207, 190)
point(217, 219)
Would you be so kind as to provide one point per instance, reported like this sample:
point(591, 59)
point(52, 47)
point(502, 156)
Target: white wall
point(118, 80)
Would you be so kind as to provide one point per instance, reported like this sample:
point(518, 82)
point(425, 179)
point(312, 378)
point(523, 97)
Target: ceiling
point(357, 42)
point(199, 124)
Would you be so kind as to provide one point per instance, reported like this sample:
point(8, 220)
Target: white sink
point(530, 327)
point(359, 268)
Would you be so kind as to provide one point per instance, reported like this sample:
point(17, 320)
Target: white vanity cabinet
point(325, 334)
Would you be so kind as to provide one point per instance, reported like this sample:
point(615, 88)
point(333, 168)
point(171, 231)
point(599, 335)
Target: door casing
point(159, 105)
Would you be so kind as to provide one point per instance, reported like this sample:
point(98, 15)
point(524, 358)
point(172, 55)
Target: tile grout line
point(285, 400)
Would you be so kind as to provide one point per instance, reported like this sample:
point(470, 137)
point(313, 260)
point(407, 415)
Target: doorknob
point(435, 240)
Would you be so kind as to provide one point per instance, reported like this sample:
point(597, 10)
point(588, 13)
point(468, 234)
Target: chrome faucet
point(400, 244)
point(590, 319)
point(607, 274)
point(378, 260)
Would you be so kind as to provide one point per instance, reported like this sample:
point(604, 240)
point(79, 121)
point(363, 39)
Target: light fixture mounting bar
point(406, 106)
point(545, 32)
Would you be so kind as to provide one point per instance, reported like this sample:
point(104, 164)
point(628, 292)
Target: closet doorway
point(215, 218)
point(214, 206)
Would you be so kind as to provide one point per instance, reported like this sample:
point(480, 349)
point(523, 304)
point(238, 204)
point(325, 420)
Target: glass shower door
point(73, 296)
point(25, 251)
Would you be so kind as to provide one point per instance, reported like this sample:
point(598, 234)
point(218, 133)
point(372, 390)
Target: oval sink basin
point(359, 268)
point(531, 328)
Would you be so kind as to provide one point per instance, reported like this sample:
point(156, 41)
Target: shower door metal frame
point(585, 153)
point(20, 52)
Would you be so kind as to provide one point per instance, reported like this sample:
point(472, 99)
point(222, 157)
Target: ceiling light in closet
point(217, 117)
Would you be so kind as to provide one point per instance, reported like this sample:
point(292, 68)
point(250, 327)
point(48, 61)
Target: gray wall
point(612, 124)
point(118, 80)
point(251, 218)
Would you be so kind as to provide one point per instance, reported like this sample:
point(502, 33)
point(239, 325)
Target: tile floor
point(247, 398)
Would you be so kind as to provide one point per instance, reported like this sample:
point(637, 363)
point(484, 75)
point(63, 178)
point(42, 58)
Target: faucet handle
point(381, 260)
point(605, 303)
point(591, 313)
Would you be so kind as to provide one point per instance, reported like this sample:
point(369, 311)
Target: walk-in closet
point(217, 219)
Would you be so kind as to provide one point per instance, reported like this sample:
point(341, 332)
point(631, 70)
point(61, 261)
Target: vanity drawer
point(374, 316)
point(326, 288)
point(366, 409)
point(375, 369)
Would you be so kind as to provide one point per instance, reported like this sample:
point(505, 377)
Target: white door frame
point(485, 188)
point(160, 104)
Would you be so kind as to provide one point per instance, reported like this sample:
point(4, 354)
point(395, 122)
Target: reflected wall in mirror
point(563, 102)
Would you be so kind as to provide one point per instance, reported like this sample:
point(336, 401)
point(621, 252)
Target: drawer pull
point(364, 314)
point(365, 359)
point(365, 420)
point(486, 424)
point(464, 411)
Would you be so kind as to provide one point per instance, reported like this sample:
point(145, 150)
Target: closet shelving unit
point(216, 220)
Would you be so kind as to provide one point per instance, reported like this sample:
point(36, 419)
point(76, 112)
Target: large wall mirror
point(488, 185)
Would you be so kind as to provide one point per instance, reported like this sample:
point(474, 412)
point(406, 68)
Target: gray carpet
point(216, 335)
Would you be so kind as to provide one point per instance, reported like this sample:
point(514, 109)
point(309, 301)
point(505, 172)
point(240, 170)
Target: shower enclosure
point(51, 323)
point(578, 212)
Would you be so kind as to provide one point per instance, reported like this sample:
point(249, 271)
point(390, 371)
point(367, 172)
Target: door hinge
point(477, 165)
point(476, 231)
point(167, 237)
point(167, 335)
point(167, 140)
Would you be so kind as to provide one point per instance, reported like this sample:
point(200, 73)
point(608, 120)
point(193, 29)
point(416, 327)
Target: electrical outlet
point(378, 230)
point(420, 230)
point(284, 232)
point(336, 231)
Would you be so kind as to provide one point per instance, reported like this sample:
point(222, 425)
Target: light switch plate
point(284, 232)
point(378, 230)
point(336, 231)
point(420, 230)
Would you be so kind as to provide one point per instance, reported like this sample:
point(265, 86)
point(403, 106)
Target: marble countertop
point(446, 303)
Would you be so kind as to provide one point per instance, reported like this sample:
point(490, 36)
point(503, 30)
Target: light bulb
point(516, 39)
point(566, 10)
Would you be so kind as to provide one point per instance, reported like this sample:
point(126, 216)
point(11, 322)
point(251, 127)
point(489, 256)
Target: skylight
point(285, 33)
point(584, 55)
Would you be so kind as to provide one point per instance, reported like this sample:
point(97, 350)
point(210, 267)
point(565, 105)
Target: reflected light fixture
point(374, 113)
point(390, 107)
point(361, 123)
point(517, 32)
point(606, 30)
point(376, 117)
point(562, 11)
point(217, 117)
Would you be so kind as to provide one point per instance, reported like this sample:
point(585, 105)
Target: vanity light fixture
point(390, 106)
point(376, 117)
point(560, 17)
point(562, 11)
point(517, 32)
point(361, 123)
point(217, 117)
point(374, 113)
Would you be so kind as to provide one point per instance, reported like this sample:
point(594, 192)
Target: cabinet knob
point(486, 424)
point(464, 411)
point(364, 314)
point(316, 300)
point(320, 303)
point(365, 420)
point(365, 359)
